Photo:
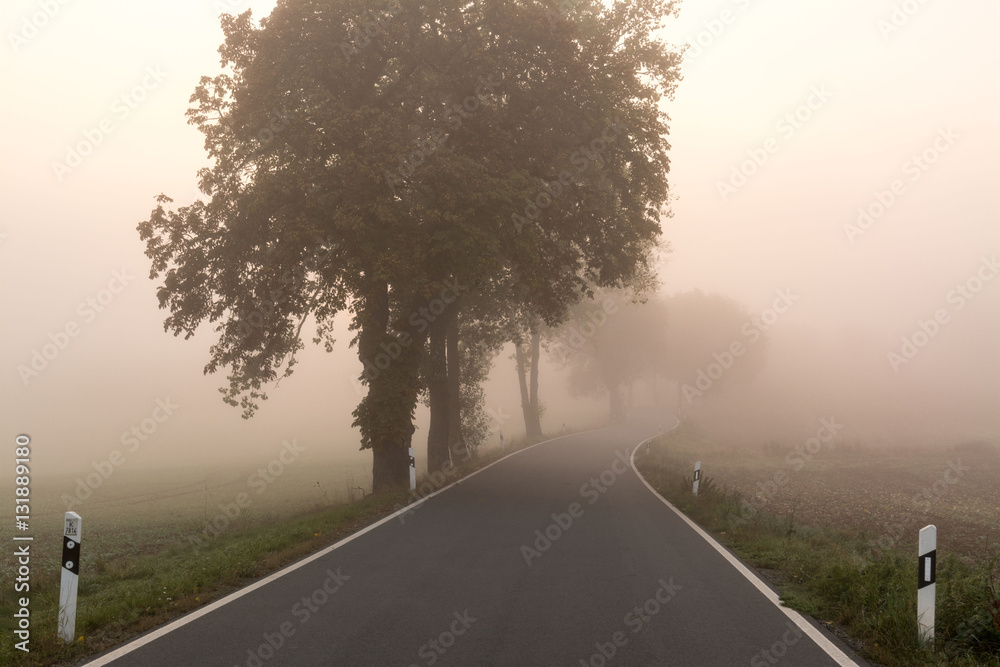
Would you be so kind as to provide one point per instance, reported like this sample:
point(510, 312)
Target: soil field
point(885, 493)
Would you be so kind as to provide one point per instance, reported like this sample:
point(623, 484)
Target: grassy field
point(833, 525)
point(137, 513)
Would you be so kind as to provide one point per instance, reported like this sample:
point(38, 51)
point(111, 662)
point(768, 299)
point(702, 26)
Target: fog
point(791, 117)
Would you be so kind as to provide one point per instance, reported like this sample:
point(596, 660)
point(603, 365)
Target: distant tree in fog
point(710, 341)
point(609, 345)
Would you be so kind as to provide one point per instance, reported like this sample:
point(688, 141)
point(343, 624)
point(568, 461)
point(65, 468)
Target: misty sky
point(836, 108)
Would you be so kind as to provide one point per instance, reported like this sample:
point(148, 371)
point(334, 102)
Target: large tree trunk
point(391, 464)
point(386, 419)
point(456, 439)
point(438, 437)
point(529, 403)
point(522, 383)
point(536, 346)
point(385, 414)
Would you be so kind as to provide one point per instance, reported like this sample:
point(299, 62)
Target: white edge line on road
point(821, 640)
point(195, 615)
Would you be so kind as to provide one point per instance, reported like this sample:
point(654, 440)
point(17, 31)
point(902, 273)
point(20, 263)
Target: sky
point(841, 151)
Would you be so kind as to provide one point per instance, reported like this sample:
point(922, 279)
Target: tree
point(710, 341)
point(481, 341)
point(527, 361)
point(608, 344)
point(458, 363)
point(438, 385)
point(703, 343)
point(386, 175)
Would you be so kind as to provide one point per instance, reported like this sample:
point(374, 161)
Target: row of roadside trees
point(461, 179)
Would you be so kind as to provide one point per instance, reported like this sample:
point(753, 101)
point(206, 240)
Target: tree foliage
point(376, 174)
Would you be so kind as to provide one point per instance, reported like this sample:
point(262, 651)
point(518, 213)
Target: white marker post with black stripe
point(413, 471)
point(72, 531)
point(926, 577)
point(697, 477)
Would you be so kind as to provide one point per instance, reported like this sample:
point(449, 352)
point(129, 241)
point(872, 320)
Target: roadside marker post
point(413, 471)
point(697, 477)
point(926, 578)
point(72, 533)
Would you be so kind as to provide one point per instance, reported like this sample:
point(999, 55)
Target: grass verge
point(839, 576)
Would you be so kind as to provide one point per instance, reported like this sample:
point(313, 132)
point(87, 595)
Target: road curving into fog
point(557, 555)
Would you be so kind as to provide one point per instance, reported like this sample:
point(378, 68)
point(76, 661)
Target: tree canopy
point(392, 160)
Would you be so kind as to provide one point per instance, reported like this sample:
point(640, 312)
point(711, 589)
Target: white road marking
point(195, 615)
point(821, 640)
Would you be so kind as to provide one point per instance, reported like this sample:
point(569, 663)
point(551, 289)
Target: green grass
point(837, 575)
point(121, 597)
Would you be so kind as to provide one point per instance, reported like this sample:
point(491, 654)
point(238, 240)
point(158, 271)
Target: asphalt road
point(613, 576)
